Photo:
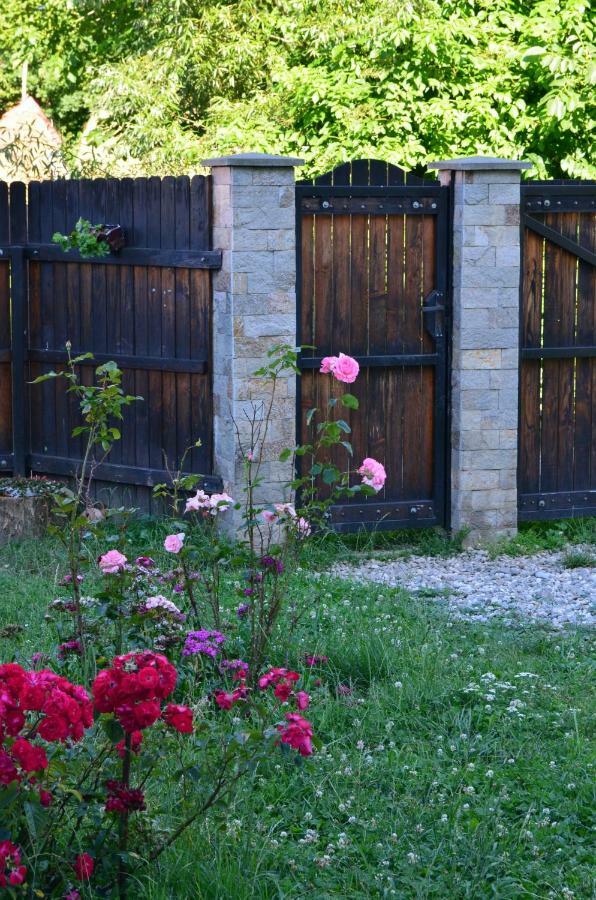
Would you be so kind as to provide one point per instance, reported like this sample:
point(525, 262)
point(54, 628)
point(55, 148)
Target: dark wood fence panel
point(5, 342)
point(557, 455)
point(146, 307)
point(372, 259)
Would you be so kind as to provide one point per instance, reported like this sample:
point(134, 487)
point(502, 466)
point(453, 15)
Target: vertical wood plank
point(359, 286)
point(550, 367)
point(395, 308)
point(307, 275)
point(168, 320)
point(200, 212)
point(414, 413)
point(584, 438)
point(567, 314)
point(530, 417)
point(323, 285)
point(341, 300)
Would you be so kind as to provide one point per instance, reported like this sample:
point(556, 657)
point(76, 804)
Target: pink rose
point(285, 509)
point(173, 543)
point(199, 501)
point(373, 473)
point(345, 369)
point(328, 364)
point(112, 562)
point(303, 527)
point(220, 503)
point(268, 516)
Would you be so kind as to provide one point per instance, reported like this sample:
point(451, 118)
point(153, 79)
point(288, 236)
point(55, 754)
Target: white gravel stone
point(475, 588)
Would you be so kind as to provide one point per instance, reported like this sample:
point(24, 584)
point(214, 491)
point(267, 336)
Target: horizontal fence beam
point(557, 352)
point(149, 363)
point(563, 504)
point(397, 360)
point(384, 515)
point(119, 474)
point(555, 237)
point(133, 256)
point(373, 207)
point(558, 198)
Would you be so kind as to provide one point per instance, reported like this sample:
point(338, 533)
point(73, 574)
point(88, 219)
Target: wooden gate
point(372, 282)
point(557, 461)
point(147, 307)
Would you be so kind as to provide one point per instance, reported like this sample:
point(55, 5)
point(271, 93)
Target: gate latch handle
point(433, 311)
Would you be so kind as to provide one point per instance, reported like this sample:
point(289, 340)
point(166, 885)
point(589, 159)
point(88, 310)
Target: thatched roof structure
point(30, 145)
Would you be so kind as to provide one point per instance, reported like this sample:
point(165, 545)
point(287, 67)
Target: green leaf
point(310, 414)
point(350, 401)
point(113, 729)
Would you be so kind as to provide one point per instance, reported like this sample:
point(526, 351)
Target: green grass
point(535, 537)
point(457, 760)
point(578, 559)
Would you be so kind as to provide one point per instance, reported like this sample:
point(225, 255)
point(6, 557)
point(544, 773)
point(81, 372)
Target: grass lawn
point(456, 762)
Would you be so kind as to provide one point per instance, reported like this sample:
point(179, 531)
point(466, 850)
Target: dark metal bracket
point(434, 311)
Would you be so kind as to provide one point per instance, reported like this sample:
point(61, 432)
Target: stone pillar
point(254, 308)
point(485, 358)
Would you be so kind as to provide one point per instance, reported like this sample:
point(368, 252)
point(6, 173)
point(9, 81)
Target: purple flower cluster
point(206, 642)
point(275, 565)
point(235, 665)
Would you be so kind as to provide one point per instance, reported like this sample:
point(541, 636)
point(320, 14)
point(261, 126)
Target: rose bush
point(162, 699)
point(80, 772)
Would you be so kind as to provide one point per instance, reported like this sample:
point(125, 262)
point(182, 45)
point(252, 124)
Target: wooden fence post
point(485, 358)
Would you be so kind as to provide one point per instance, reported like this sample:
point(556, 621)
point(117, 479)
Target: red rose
point(29, 757)
point(45, 798)
point(54, 728)
point(83, 866)
point(179, 717)
point(13, 722)
point(17, 876)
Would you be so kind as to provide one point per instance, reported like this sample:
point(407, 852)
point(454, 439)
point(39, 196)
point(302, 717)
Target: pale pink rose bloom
point(250, 456)
point(220, 503)
point(268, 516)
point(303, 527)
point(201, 500)
point(285, 509)
point(373, 473)
point(328, 364)
point(345, 369)
point(112, 562)
point(174, 542)
point(161, 602)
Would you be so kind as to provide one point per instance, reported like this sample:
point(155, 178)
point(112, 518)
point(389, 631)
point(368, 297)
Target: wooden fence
point(557, 438)
point(147, 307)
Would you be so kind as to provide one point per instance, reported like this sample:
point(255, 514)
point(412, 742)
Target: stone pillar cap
point(479, 164)
point(264, 160)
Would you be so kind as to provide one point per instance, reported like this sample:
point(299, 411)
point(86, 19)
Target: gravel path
point(475, 588)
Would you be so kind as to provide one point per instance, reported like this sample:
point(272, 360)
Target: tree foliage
point(155, 85)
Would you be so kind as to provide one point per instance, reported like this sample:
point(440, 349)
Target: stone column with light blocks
point(485, 357)
point(254, 308)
